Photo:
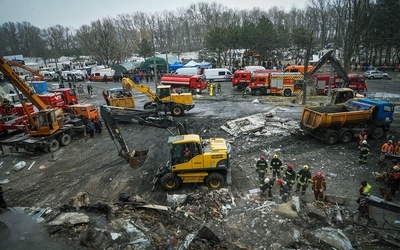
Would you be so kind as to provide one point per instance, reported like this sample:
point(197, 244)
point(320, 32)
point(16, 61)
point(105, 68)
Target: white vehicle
point(218, 75)
point(254, 68)
point(187, 71)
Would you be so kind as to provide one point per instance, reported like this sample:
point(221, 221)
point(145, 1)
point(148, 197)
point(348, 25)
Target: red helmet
point(262, 157)
point(280, 181)
point(319, 173)
point(290, 166)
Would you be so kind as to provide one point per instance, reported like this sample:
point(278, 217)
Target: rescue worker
point(397, 148)
point(283, 189)
point(362, 137)
point(219, 87)
point(261, 167)
point(386, 149)
point(365, 188)
point(390, 137)
point(290, 177)
point(3, 204)
point(276, 166)
point(267, 184)
point(362, 205)
point(318, 184)
point(364, 151)
point(90, 128)
point(393, 180)
point(303, 179)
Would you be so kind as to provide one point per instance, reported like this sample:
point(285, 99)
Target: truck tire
point(240, 87)
point(64, 139)
point(170, 182)
point(54, 145)
point(257, 92)
point(377, 133)
point(287, 92)
point(176, 110)
point(214, 180)
point(346, 136)
point(331, 138)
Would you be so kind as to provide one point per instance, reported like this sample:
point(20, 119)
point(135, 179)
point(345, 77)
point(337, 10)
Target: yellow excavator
point(163, 99)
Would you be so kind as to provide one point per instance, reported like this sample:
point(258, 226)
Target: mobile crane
point(35, 74)
point(175, 103)
point(47, 129)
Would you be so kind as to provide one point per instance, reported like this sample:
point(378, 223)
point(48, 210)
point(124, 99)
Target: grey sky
point(74, 13)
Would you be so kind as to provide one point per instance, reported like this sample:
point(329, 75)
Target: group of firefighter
point(390, 148)
point(286, 179)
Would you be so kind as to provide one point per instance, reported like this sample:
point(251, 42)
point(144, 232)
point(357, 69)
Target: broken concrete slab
point(70, 219)
point(315, 212)
point(286, 210)
point(340, 200)
point(333, 237)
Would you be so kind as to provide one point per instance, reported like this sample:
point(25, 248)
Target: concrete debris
point(80, 200)
point(5, 181)
point(20, 165)
point(333, 237)
point(262, 124)
point(70, 219)
point(176, 199)
point(286, 210)
point(296, 203)
point(335, 199)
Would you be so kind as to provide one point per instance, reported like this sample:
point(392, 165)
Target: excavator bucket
point(137, 158)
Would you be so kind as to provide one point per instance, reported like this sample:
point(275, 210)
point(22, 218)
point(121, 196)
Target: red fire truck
point(59, 98)
point(321, 82)
point(284, 84)
point(195, 84)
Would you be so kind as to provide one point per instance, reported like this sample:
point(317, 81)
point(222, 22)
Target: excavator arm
point(129, 84)
point(135, 158)
point(329, 56)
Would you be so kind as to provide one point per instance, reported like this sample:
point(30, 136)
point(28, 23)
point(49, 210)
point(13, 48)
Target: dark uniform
point(268, 184)
point(364, 151)
point(290, 177)
point(303, 179)
point(3, 204)
point(283, 190)
point(261, 167)
point(276, 167)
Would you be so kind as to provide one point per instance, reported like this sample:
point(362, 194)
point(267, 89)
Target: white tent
point(206, 65)
point(192, 64)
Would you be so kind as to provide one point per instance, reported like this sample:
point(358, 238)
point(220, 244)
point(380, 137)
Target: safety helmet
point(275, 156)
point(396, 168)
point(280, 181)
point(364, 142)
point(319, 173)
point(262, 157)
point(305, 167)
point(290, 166)
point(394, 161)
point(390, 141)
point(266, 180)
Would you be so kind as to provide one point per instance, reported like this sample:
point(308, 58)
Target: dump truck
point(340, 123)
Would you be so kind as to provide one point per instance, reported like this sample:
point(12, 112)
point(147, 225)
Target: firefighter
point(365, 188)
point(290, 177)
point(318, 184)
point(303, 179)
point(362, 205)
point(261, 167)
point(393, 180)
point(364, 151)
point(283, 189)
point(276, 166)
point(267, 184)
point(362, 136)
point(386, 149)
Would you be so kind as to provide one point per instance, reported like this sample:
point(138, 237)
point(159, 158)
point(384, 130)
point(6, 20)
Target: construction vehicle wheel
point(240, 87)
point(54, 145)
point(331, 138)
point(377, 133)
point(177, 110)
point(287, 92)
point(214, 180)
point(257, 92)
point(170, 182)
point(346, 137)
point(64, 139)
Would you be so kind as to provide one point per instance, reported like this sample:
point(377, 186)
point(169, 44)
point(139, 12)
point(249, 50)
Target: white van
point(187, 71)
point(218, 75)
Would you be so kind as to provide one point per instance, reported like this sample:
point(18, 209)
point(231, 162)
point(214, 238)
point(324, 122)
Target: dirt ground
point(92, 165)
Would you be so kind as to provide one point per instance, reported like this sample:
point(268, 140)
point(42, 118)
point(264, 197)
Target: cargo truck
point(340, 123)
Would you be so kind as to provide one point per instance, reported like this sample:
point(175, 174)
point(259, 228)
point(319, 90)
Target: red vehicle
point(196, 83)
point(15, 118)
point(241, 79)
point(59, 98)
point(321, 81)
point(284, 84)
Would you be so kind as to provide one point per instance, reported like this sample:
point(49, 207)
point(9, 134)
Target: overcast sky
point(74, 13)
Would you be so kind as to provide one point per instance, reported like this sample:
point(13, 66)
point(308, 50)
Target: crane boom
point(34, 72)
point(20, 84)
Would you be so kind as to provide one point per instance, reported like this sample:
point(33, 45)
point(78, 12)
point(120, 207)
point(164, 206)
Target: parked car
point(375, 74)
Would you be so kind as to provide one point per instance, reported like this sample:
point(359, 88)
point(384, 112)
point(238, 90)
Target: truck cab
point(241, 79)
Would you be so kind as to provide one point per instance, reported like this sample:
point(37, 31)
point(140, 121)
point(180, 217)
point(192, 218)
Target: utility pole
point(166, 59)
point(154, 60)
point(332, 77)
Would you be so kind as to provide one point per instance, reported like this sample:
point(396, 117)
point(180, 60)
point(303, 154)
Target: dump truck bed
point(318, 118)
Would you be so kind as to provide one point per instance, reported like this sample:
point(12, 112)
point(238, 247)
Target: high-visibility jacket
point(366, 189)
point(290, 176)
point(387, 149)
point(276, 164)
point(304, 177)
point(261, 166)
point(318, 183)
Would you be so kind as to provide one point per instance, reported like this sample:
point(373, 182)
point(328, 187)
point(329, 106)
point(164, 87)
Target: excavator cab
point(163, 92)
point(46, 123)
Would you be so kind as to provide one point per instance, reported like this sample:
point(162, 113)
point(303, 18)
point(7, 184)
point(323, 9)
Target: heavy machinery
point(48, 128)
point(195, 160)
point(135, 158)
point(36, 75)
point(332, 124)
point(163, 99)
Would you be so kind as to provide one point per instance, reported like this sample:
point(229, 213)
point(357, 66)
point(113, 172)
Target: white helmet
point(364, 142)
point(266, 180)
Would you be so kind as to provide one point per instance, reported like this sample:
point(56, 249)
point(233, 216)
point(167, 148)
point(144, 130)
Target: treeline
point(366, 31)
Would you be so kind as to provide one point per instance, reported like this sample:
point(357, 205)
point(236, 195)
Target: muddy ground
point(92, 165)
